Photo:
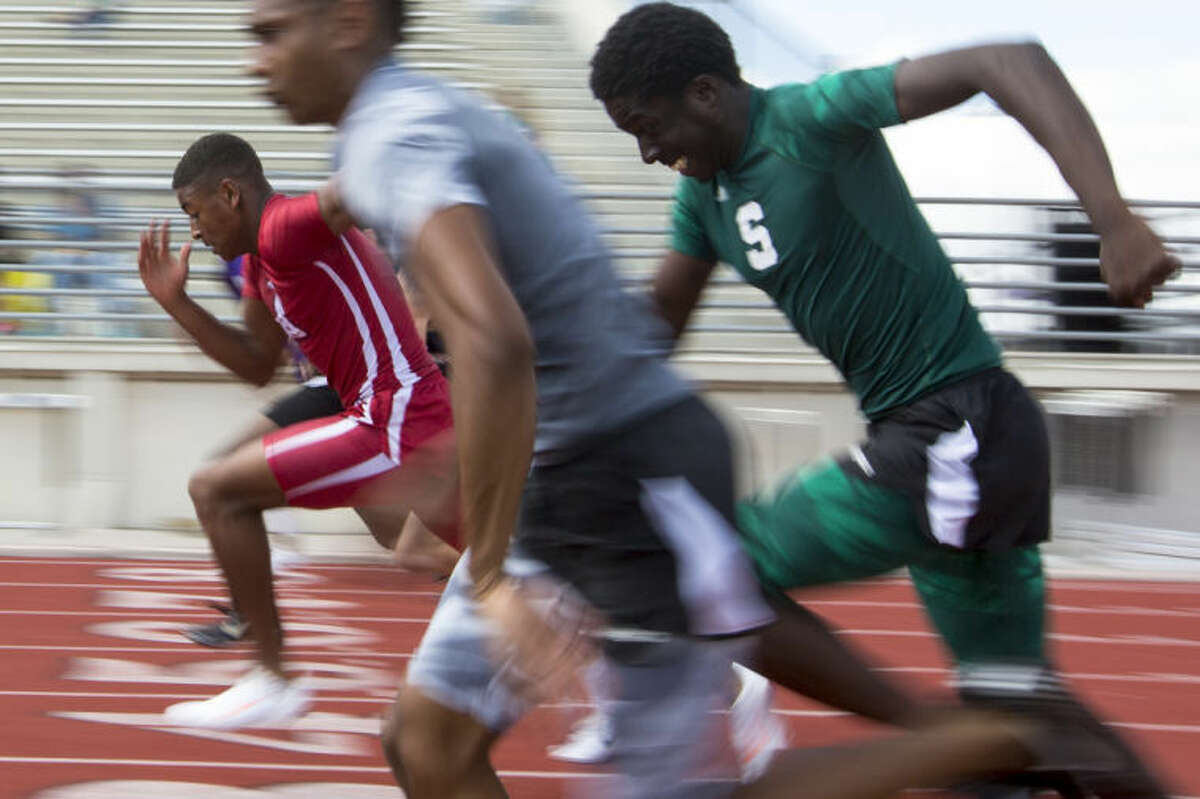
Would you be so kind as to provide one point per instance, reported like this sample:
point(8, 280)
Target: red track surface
point(92, 655)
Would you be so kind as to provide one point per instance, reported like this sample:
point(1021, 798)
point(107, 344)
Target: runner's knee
point(391, 748)
point(211, 492)
point(204, 491)
point(430, 744)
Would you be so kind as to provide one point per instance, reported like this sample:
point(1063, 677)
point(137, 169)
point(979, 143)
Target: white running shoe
point(757, 733)
point(590, 740)
point(260, 698)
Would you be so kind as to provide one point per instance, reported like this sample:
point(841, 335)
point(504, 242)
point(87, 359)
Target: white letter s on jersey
point(761, 254)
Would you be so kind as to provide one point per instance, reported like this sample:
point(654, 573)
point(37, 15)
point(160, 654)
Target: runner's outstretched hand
point(163, 275)
point(1133, 261)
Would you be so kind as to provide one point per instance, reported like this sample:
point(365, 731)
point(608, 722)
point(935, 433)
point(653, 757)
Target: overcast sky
point(1136, 65)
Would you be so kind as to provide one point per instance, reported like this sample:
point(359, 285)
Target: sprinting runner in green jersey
point(814, 212)
point(795, 188)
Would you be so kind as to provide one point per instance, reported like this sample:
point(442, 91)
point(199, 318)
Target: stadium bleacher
point(106, 110)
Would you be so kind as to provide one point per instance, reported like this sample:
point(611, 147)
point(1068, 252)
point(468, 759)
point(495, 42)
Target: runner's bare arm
point(1026, 83)
point(333, 210)
point(495, 409)
point(493, 393)
point(252, 355)
point(677, 287)
point(417, 305)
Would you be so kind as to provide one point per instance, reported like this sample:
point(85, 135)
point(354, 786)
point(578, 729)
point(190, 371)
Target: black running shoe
point(225, 632)
point(1077, 754)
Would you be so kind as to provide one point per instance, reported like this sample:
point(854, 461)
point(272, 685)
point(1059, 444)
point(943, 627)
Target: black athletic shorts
point(640, 523)
point(305, 403)
point(977, 445)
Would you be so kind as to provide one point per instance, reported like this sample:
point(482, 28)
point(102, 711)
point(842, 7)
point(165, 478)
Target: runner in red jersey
point(337, 297)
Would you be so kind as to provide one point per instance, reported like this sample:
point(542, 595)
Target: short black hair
point(214, 157)
point(392, 13)
point(656, 50)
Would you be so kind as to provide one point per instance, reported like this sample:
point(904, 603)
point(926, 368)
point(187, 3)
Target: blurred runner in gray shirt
point(630, 499)
point(408, 146)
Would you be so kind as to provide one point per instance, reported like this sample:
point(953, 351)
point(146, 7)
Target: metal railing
point(1030, 296)
point(1023, 296)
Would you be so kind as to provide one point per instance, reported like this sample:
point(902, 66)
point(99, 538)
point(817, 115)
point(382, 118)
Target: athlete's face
point(678, 133)
point(295, 58)
point(215, 217)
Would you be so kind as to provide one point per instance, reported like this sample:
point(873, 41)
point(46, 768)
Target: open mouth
point(680, 164)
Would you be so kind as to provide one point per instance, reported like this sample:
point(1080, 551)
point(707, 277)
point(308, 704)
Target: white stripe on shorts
point(376, 464)
point(716, 582)
point(396, 416)
point(311, 436)
point(951, 491)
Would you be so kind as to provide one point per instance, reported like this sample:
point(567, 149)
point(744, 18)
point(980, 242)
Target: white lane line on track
point(210, 654)
point(1153, 677)
point(380, 700)
point(1132, 587)
point(1105, 610)
point(209, 587)
point(332, 615)
point(186, 564)
point(384, 701)
point(1128, 725)
point(1129, 640)
point(1115, 583)
point(1123, 640)
point(1132, 640)
point(113, 761)
point(118, 695)
point(284, 584)
point(320, 697)
point(1189, 613)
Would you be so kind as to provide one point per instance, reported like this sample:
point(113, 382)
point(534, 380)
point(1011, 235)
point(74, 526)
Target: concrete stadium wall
point(145, 415)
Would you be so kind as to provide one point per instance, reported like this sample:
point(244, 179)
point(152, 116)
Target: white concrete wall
point(150, 416)
point(152, 413)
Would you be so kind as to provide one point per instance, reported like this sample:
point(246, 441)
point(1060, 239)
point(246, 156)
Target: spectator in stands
point(79, 230)
point(98, 14)
point(71, 234)
point(19, 279)
point(508, 12)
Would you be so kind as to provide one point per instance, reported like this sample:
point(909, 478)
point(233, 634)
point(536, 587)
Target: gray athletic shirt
point(409, 146)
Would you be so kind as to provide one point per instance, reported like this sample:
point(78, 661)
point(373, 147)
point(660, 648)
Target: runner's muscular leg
point(426, 484)
point(439, 753)
point(393, 527)
point(230, 495)
point(417, 549)
point(962, 746)
point(801, 652)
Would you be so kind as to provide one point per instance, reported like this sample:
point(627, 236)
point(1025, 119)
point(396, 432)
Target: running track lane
point(92, 655)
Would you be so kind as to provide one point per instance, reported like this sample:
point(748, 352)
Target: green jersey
point(816, 214)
